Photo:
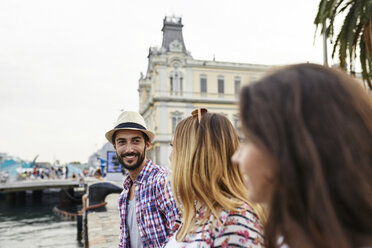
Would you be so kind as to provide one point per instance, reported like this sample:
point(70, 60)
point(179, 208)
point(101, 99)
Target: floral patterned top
point(238, 229)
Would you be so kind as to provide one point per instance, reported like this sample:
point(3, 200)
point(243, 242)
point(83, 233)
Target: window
point(221, 85)
point(176, 82)
point(237, 82)
point(174, 123)
point(171, 84)
point(176, 117)
point(181, 85)
point(203, 84)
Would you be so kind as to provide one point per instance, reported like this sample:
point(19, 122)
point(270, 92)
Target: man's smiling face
point(130, 146)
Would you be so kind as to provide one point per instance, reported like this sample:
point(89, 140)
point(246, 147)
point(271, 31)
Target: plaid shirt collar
point(142, 177)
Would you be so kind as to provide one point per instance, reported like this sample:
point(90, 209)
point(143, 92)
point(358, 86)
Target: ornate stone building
point(175, 83)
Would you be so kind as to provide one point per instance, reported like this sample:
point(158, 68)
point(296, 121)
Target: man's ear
point(147, 144)
point(114, 146)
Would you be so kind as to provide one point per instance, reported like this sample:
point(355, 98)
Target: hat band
point(130, 125)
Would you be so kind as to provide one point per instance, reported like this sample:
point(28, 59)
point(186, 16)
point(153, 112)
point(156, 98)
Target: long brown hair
point(316, 123)
point(202, 169)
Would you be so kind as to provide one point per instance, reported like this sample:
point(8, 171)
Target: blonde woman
point(208, 187)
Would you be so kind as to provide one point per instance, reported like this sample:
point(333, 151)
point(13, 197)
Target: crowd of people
point(300, 176)
point(53, 172)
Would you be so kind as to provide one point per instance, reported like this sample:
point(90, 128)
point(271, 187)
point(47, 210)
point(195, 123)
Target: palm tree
point(355, 34)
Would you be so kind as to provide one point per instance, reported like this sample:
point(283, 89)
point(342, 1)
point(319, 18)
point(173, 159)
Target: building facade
point(175, 84)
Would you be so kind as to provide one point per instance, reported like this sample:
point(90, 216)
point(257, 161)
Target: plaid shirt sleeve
point(121, 223)
point(166, 204)
point(122, 212)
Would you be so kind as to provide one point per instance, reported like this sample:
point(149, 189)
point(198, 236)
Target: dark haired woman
point(307, 155)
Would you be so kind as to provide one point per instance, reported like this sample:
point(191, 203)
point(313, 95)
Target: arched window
point(176, 82)
point(171, 83)
point(176, 117)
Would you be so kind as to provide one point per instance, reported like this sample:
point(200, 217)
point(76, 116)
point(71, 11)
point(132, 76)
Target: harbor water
point(27, 221)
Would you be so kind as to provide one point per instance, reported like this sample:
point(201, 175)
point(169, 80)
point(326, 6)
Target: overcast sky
point(68, 67)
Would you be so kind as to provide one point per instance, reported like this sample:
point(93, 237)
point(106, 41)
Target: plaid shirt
point(155, 212)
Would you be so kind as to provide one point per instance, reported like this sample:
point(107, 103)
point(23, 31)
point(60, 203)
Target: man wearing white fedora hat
point(147, 207)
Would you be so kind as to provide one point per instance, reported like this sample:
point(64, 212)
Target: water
point(31, 223)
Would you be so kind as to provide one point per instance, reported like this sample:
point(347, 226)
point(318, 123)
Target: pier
point(19, 186)
point(70, 190)
point(104, 227)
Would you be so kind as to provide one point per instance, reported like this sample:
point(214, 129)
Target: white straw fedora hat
point(130, 120)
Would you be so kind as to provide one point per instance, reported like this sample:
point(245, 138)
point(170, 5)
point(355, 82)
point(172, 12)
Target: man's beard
point(140, 158)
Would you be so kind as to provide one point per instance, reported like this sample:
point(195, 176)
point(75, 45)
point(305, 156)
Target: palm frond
point(365, 62)
point(353, 35)
point(345, 6)
point(332, 19)
point(335, 46)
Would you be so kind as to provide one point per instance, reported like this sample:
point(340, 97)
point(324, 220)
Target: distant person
point(52, 173)
point(59, 173)
point(209, 188)
point(98, 174)
point(5, 177)
point(66, 172)
point(307, 154)
point(147, 212)
point(34, 171)
point(47, 172)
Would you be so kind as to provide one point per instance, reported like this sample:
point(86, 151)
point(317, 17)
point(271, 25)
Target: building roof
point(172, 35)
